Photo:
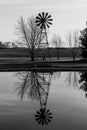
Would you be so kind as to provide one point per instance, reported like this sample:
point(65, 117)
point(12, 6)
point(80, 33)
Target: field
point(19, 59)
point(51, 52)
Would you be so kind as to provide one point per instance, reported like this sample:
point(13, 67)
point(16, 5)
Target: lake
point(34, 100)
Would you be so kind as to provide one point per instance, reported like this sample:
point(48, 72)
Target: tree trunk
point(57, 53)
point(32, 55)
point(73, 55)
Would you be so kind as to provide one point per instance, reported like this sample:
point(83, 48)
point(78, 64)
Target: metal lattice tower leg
point(43, 115)
point(44, 20)
point(44, 39)
point(44, 90)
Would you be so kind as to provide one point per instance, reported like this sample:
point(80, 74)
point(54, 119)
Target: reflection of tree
point(36, 85)
point(83, 82)
point(72, 79)
point(56, 75)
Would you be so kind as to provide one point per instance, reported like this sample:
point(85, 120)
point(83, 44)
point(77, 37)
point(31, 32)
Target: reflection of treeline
point(24, 52)
point(83, 82)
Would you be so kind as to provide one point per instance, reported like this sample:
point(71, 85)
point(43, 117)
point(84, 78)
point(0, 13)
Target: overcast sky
point(67, 15)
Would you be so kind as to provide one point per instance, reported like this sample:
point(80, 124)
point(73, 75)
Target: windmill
point(43, 20)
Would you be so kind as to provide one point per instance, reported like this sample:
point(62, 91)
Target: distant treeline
point(50, 52)
point(7, 45)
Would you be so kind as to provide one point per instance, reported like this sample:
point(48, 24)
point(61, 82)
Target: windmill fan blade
point(49, 17)
point(38, 112)
point(37, 116)
point(40, 15)
point(41, 110)
point(43, 122)
point(47, 111)
point(38, 18)
point(37, 119)
point(49, 120)
point(49, 117)
point(43, 14)
point(37, 21)
point(49, 23)
point(39, 24)
point(46, 15)
point(42, 26)
point(46, 122)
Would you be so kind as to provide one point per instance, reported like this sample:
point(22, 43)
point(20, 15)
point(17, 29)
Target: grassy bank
point(43, 67)
point(51, 52)
point(19, 60)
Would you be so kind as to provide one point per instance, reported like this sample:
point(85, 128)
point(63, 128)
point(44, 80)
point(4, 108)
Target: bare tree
point(72, 39)
point(29, 35)
point(57, 42)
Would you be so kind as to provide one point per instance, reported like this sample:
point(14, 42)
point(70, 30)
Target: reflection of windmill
point(72, 79)
point(36, 85)
point(44, 80)
point(43, 21)
point(44, 116)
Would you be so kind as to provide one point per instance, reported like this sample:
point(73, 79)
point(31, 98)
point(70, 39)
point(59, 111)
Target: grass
point(23, 64)
point(18, 60)
point(51, 52)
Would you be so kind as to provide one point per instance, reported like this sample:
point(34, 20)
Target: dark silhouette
point(43, 116)
point(43, 58)
point(44, 20)
point(83, 82)
point(83, 42)
point(36, 86)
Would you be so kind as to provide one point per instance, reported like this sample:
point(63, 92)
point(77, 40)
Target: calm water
point(30, 100)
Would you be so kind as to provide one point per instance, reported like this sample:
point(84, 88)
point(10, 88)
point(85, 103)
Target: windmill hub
point(43, 20)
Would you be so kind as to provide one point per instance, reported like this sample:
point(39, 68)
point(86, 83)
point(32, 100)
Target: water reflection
point(56, 75)
point(36, 85)
point(77, 79)
point(83, 82)
point(72, 78)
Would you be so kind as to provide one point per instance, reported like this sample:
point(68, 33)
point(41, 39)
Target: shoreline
point(43, 66)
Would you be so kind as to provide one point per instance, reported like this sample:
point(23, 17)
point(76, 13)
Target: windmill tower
point(43, 116)
point(43, 20)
